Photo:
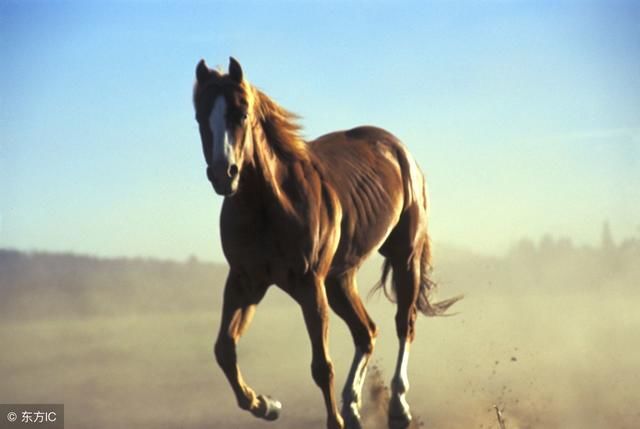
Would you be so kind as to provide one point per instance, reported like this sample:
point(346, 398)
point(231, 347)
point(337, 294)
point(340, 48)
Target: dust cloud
point(547, 332)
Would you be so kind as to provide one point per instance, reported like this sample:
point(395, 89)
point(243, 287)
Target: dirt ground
point(554, 347)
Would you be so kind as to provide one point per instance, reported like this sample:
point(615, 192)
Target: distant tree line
point(53, 285)
point(45, 285)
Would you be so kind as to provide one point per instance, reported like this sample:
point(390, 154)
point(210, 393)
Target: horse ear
point(203, 72)
point(235, 71)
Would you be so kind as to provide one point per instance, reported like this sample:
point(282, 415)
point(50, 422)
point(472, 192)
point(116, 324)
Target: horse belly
point(367, 222)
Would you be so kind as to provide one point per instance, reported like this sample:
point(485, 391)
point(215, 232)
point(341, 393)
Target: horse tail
point(425, 302)
point(415, 194)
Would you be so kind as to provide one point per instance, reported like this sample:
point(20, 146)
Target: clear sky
point(525, 115)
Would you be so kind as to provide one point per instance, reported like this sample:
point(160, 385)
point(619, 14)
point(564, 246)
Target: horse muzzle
point(224, 180)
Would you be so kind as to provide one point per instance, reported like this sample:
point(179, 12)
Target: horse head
point(223, 111)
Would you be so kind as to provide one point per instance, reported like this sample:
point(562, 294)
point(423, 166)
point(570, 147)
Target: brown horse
point(304, 216)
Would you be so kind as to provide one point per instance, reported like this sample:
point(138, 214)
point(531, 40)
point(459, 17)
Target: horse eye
point(244, 116)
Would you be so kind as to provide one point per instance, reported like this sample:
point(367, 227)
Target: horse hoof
point(351, 420)
point(352, 424)
point(270, 408)
point(399, 414)
point(400, 421)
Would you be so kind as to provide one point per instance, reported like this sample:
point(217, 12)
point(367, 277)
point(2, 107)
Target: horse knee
point(366, 342)
point(322, 371)
point(225, 352)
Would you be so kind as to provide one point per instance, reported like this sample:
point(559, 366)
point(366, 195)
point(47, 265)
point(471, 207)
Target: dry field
point(549, 333)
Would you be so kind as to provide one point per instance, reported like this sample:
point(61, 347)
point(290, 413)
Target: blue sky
point(525, 115)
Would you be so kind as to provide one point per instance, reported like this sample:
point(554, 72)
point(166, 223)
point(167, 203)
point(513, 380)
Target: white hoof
point(269, 408)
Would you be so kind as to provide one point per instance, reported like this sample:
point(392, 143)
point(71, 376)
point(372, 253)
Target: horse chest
point(254, 242)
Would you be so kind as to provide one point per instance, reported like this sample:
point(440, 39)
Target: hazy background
point(524, 115)
point(548, 332)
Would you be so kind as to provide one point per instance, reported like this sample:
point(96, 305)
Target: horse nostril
point(232, 171)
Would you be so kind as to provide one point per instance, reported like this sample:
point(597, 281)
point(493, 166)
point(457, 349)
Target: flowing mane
point(281, 153)
point(280, 127)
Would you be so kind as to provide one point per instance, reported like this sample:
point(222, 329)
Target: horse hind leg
point(346, 303)
point(406, 278)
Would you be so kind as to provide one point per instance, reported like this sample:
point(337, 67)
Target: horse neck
point(270, 165)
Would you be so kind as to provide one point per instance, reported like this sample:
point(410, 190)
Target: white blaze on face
point(222, 143)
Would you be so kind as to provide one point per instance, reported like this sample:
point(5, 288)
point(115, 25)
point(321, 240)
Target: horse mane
point(285, 161)
point(281, 128)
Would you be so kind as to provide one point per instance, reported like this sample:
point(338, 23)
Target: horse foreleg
point(313, 300)
point(237, 311)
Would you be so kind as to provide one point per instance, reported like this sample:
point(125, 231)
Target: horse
point(304, 216)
